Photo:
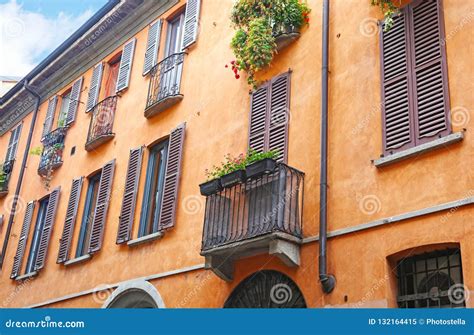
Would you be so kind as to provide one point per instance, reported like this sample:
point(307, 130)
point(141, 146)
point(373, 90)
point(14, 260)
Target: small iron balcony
point(257, 216)
point(52, 155)
point(102, 123)
point(164, 90)
point(5, 174)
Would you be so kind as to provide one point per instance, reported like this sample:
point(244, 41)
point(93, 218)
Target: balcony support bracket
point(223, 267)
point(288, 252)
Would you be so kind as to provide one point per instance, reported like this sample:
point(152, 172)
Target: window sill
point(420, 149)
point(27, 276)
point(145, 239)
point(78, 260)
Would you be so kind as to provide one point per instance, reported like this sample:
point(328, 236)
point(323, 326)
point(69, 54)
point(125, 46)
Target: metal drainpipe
point(22, 171)
point(327, 281)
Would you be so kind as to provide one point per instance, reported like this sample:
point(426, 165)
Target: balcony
point(52, 155)
point(102, 123)
point(261, 215)
point(5, 173)
point(165, 85)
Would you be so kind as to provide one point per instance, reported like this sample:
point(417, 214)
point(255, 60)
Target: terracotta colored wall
point(215, 109)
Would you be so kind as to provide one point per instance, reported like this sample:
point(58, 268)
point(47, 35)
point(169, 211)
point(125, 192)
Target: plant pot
point(260, 168)
point(284, 36)
point(210, 187)
point(233, 178)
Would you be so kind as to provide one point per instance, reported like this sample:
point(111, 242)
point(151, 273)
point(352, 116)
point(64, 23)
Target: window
point(174, 39)
point(269, 116)
point(13, 143)
point(88, 215)
point(153, 189)
point(431, 280)
point(40, 220)
point(414, 78)
point(62, 117)
point(111, 80)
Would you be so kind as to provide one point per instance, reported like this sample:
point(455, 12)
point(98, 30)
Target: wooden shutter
point(94, 88)
point(74, 101)
point(152, 46)
point(123, 78)
point(172, 174)
point(396, 109)
point(279, 115)
point(431, 103)
point(2, 217)
point(25, 229)
point(47, 229)
point(70, 221)
point(270, 115)
point(191, 22)
point(48, 122)
point(13, 143)
point(101, 207)
point(130, 195)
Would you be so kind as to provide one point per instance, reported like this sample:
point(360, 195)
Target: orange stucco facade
point(215, 109)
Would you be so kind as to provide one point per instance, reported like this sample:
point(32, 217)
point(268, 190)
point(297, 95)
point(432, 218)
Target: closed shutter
point(431, 103)
point(130, 195)
point(152, 46)
point(74, 101)
point(13, 143)
point(172, 174)
point(47, 229)
point(69, 223)
point(191, 23)
point(94, 88)
point(101, 207)
point(48, 122)
point(279, 115)
point(123, 78)
point(270, 116)
point(414, 75)
point(25, 229)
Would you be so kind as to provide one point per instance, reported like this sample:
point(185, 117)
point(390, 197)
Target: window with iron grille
point(431, 280)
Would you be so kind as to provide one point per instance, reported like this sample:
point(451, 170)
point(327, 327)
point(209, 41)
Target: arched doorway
point(266, 289)
point(137, 294)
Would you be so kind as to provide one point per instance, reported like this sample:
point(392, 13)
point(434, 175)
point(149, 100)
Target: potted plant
point(233, 170)
point(263, 27)
point(210, 187)
point(260, 163)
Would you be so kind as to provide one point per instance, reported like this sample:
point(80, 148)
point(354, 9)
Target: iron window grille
point(431, 280)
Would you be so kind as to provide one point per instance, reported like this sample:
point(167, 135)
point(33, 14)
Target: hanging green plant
point(258, 24)
point(388, 9)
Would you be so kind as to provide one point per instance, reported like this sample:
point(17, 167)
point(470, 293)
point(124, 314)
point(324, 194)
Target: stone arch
point(135, 294)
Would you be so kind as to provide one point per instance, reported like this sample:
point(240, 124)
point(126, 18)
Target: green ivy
point(388, 9)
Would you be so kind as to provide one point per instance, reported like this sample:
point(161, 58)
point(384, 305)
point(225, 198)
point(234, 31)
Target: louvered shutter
point(25, 229)
point(191, 22)
point(172, 174)
point(70, 221)
point(152, 46)
point(101, 207)
point(123, 78)
point(397, 116)
point(279, 115)
point(130, 195)
point(258, 118)
point(13, 143)
point(47, 229)
point(2, 217)
point(94, 88)
point(48, 122)
point(431, 103)
point(74, 101)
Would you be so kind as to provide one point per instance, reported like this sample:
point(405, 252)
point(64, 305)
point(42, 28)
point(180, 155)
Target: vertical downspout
point(327, 281)
point(22, 172)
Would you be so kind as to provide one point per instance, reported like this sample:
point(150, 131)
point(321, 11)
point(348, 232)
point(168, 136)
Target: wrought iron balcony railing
point(165, 84)
point(102, 123)
point(270, 203)
point(52, 155)
point(5, 172)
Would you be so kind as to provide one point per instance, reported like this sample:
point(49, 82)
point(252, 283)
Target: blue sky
point(31, 29)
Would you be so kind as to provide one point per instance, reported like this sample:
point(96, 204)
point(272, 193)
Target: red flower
point(232, 62)
point(226, 66)
point(237, 76)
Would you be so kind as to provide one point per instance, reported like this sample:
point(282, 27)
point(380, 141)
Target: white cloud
point(27, 37)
